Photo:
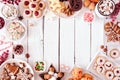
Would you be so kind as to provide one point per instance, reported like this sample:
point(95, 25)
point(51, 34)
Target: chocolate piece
point(75, 5)
point(18, 49)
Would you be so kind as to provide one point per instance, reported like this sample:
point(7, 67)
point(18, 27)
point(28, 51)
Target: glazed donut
point(108, 26)
point(26, 3)
point(42, 5)
point(75, 5)
point(114, 53)
point(108, 65)
point(117, 72)
point(109, 75)
point(37, 13)
point(33, 6)
point(100, 69)
point(116, 78)
point(100, 60)
point(27, 13)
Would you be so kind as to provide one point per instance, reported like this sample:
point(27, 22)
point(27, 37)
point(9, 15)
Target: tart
point(37, 13)
point(2, 22)
point(42, 5)
point(26, 3)
point(27, 13)
point(33, 6)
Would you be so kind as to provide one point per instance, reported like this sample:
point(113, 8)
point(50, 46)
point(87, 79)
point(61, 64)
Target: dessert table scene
point(59, 40)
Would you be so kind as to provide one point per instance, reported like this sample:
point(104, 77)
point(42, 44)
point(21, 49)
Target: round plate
point(22, 36)
point(10, 5)
point(17, 61)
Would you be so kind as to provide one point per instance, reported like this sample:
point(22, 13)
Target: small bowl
point(15, 33)
point(40, 66)
point(9, 11)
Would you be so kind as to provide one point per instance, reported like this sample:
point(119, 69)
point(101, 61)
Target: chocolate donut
point(75, 5)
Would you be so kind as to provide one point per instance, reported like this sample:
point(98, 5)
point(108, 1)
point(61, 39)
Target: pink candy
point(4, 56)
point(88, 17)
point(10, 1)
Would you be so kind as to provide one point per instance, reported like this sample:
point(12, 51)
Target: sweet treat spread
point(15, 30)
point(18, 49)
point(34, 8)
point(52, 74)
point(106, 7)
point(112, 31)
point(115, 53)
point(2, 22)
point(9, 11)
point(90, 4)
point(40, 66)
point(13, 71)
point(65, 7)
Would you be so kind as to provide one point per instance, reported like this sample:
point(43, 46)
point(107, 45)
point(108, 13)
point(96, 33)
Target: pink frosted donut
point(100, 60)
point(117, 72)
point(115, 53)
point(109, 75)
point(108, 65)
point(100, 69)
point(116, 78)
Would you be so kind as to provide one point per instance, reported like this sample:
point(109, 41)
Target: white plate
point(17, 61)
point(22, 37)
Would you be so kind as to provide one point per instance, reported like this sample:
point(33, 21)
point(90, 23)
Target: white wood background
point(62, 41)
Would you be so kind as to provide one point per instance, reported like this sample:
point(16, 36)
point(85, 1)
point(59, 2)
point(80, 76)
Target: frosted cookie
point(108, 65)
point(100, 60)
point(100, 69)
point(117, 72)
point(116, 78)
point(114, 53)
point(109, 75)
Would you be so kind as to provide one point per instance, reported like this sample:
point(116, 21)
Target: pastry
point(117, 72)
point(33, 6)
point(86, 3)
point(100, 60)
point(100, 69)
point(116, 78)
point(12, 68)
point(26, 3)
point(114, 53)
point(77, 73)
point(91, 6)
point(75, 5)
point(27, 13)
point(2, 22)
point(108, 26)
point(42, 5)
point(37, 13)
point(108, 65)
point(87, 76)
point(109, 75)
point(35, 0)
